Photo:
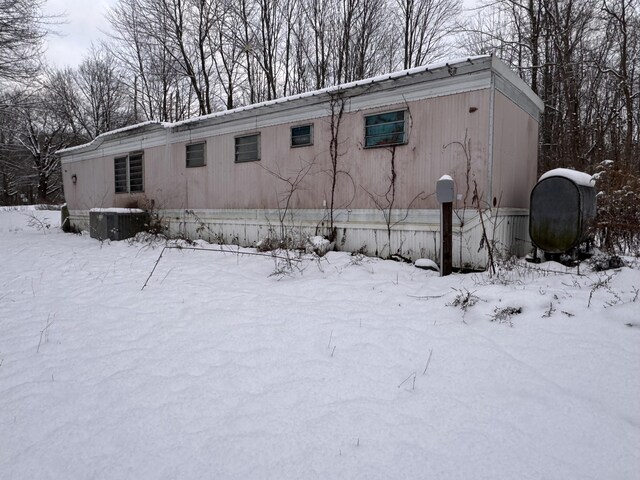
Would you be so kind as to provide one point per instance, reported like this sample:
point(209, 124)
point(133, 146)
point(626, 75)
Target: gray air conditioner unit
point(117, 223)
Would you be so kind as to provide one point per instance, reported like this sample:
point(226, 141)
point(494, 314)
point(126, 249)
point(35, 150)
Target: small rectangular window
point(129, 173)
point(195, 155)
point(385, 129)
point(120, 167)
point(302, 136)
point(248, 148)
point(136, 175)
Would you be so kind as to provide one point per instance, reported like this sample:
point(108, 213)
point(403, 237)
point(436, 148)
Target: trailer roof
point(434, 71)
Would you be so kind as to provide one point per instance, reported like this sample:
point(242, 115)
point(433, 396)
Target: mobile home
point(357, 162)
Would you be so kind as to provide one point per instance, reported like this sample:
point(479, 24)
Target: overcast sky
point(85, 23)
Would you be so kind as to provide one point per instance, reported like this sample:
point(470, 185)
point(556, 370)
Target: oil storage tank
point(562, 208)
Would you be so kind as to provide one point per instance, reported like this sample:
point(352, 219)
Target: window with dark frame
point(196, 155)
point(248, 148)
point(302, 135)
point(385, 129)
point(120, 169)
point(129, 173)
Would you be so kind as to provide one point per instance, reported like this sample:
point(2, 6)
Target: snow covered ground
point(350, 368)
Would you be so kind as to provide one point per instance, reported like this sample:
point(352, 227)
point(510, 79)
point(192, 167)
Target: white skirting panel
point(414, 234)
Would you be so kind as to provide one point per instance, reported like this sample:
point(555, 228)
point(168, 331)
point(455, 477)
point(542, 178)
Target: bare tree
point(103, 95)
point(554, 45)
point(92, 99)
point(425, 26)
point(511, 29)
point(185, 37)
point(570, 23)
point(29, 148)
point(314, 38)
point(268, 51)
point(42, 138)
point(623, 26)
point(157, 89)
point(10, 164)
point(247, 38)
point(370, 37)
point(23, 27)
point(228, 55)
point(337, 111)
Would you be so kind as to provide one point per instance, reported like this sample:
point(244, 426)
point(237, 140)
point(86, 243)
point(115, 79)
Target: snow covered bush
point(319, 245)
point(602, 261)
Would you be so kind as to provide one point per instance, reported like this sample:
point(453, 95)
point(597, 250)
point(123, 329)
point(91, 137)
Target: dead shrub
point(617, 226)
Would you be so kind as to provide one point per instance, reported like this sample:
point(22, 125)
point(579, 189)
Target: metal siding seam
point(492, 102)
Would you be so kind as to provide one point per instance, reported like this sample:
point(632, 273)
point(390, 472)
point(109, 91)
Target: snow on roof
point(110, 133)
point(579, 178)
point(345, 86)
point(336, 88)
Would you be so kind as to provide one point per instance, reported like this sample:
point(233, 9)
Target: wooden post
point(444, 193)
point(446, 238)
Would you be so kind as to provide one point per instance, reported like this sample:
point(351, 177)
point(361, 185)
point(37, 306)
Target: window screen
point(302, 136)
point(195, 155)
point(129, 173)
point(385, 129)
point(120, 168)
point(136, 174)
point(248, 148)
